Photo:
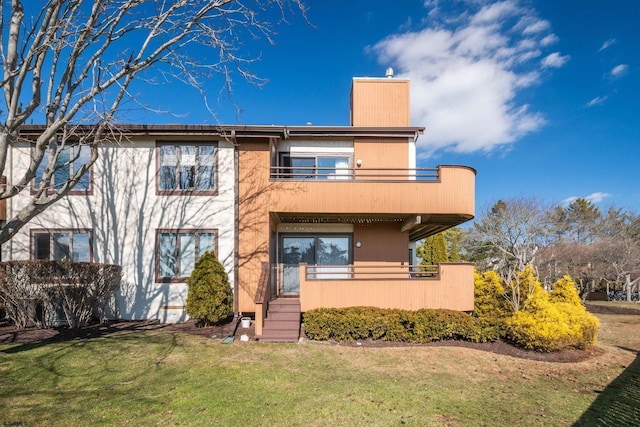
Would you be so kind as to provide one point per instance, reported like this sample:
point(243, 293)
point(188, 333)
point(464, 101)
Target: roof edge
point(277, 131)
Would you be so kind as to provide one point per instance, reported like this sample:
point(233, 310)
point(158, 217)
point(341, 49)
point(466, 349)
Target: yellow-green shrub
point(491, 308)
point(565, 290)
point(552, 321)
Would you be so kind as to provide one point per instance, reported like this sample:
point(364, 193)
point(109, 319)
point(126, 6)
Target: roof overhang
point(418, 226)
point(254, 131)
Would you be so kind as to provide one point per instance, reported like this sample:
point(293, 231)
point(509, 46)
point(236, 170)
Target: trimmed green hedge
point(421, 326)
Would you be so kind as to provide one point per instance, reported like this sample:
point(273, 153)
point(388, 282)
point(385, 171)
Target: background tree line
point(600, 250)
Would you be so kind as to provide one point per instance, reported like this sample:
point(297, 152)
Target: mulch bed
point(10, 335)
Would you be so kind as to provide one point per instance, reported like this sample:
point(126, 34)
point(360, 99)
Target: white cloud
point(554, 60)
point(606, 44)
point(619, 70)
point(536, 27)
point(549, 40)
point(466, 76)
point(596, 101)
point(596, 197)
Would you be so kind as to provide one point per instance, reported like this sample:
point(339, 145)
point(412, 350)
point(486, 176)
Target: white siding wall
point(124, 213)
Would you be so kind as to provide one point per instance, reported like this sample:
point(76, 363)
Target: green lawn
point(623, 304)
point(169, 379)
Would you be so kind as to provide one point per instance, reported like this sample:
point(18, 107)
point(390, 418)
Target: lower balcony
point(383, 285)
point(387, 285)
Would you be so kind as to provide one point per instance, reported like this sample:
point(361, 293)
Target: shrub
point(546, 321)
point(33, 291)
point(565, 291)
point(552, 321)
point(209, 299)
point(491, 308)
point(425, 325)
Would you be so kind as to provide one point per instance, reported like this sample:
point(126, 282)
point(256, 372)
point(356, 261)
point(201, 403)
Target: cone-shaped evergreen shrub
point(210, 298)
point(553, 321)
point(490, 306)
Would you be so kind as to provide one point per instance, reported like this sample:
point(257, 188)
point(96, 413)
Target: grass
point(163, 378)
point(624, 304)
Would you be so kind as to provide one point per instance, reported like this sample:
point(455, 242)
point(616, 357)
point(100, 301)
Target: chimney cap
point(389, 73)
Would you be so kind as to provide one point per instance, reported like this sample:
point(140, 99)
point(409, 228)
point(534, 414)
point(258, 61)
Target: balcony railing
point(407, 287)
point(358, 174)
point(370, 272)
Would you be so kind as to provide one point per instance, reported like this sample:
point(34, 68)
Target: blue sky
point(541, 97)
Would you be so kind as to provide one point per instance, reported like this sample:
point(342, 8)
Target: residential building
point(301, 217)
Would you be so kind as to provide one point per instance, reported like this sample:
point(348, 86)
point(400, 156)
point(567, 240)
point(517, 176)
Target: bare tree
point(506, 238)
point(71, 63)
point(592, 248)
point(621, 257)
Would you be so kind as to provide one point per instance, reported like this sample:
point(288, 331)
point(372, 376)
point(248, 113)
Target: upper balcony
point(424, 201)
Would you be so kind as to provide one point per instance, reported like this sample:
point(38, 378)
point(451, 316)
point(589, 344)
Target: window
point(316, 250)
point(315, 167)
point(61, 245)
point(69, 159)
point(187, 168)
point(178, 250)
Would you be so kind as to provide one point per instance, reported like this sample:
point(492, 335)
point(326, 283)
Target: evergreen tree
point(433, 250)
point(209, 299)
point(454, 237)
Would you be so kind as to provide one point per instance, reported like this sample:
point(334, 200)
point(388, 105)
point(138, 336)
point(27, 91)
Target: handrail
point(262, 293)
point(357, 174)
point(377, 272)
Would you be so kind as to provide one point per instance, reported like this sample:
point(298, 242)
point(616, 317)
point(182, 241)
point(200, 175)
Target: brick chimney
point(380, 101)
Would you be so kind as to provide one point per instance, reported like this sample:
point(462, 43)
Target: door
point(333, 251)
point(294, 251)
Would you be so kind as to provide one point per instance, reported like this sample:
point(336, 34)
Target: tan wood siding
point(253, 230)
point(381, 153)
point(452, 194)
point(380, 243)
point(452, 290)
point(380, 102)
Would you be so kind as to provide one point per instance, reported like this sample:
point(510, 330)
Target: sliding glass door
point(332, 251)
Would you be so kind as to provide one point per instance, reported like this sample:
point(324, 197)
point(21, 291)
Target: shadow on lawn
point(35, 338)
point(619, 403)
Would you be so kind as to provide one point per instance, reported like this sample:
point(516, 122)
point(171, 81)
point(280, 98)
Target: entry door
point(294, 251)
point(333, 251)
